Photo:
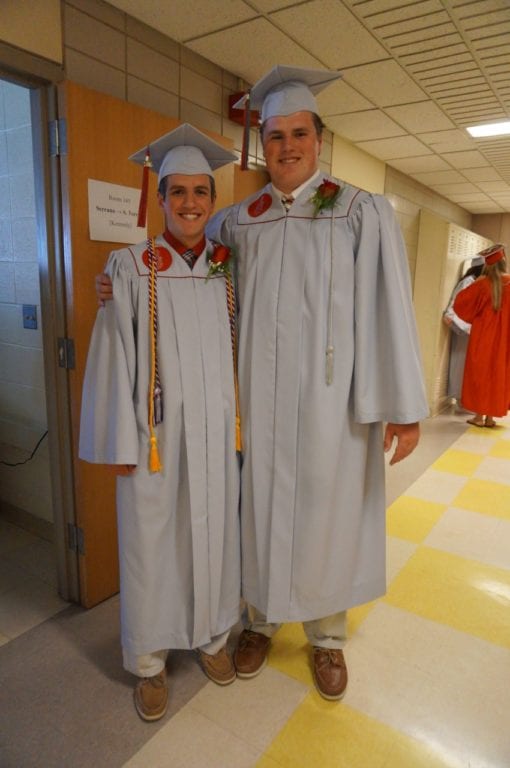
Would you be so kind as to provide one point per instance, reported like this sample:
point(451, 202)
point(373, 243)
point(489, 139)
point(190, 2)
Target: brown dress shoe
point(218, 667)
point(151, 696)
point(329, 672)
point(250, 656)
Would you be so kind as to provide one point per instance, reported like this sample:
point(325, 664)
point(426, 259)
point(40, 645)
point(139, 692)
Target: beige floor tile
point(11, 576)
point(398, 553)
point(427, 681)
point(475, 442)
point(27, 605)
point(12, 537)
point(442, 487)
point(472, 535)
point(254, 710)
point(37, 559)
point(192, 740)
point(495, 469)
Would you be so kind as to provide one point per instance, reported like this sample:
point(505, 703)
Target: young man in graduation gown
point(328, 351)
point(159, 399)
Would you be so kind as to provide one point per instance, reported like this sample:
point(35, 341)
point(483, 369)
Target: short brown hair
point(163, 184)
point(317, 121)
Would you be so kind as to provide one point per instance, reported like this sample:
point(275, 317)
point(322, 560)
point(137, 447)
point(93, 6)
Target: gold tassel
point(142, 207)
point(154, 460)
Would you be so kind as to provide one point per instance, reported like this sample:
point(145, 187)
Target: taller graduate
point(159, 400)
point(328, 351)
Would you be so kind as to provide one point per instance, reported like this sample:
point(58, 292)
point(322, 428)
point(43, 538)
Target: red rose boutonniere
point(325, 196)
point(219, 260)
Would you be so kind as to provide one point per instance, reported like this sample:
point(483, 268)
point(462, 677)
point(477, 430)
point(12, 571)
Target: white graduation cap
point(184, 150)
point(285, 90)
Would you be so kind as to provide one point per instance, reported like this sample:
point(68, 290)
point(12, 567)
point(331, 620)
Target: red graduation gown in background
point(486, 385)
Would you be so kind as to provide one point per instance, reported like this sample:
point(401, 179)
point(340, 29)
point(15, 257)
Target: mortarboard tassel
point(142, 207)
point(246, 134)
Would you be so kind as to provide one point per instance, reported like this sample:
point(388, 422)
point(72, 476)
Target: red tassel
point(142, 208)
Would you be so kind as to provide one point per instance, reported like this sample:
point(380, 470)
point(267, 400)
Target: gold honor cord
point(155, 391)
point(231, 306)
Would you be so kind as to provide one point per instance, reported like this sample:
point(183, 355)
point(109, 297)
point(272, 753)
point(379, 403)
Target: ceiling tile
point(412, 165)
point(415, 116)
point(330, 32)
point(481, 174)
point(470, 159)
point(339, 97)
point(494, 186)
point(176, 21)
point(385, 83)
point(454, 189)
point(361, 126)
point(439, 177)
point(387, 149)
point(446, 141)
point(228, 49)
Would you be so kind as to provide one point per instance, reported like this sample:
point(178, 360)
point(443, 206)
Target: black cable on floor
point(19, 463)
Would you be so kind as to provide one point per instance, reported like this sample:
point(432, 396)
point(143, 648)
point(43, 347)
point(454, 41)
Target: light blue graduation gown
point(312, 493)
point(178, 529)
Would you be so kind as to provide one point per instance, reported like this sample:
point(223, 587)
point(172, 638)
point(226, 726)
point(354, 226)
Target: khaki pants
point(328, 632)
point(150, 664)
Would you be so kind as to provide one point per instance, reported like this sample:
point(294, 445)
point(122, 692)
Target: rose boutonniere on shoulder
point(219, 260)
point(325, 196)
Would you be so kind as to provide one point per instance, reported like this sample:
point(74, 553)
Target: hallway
point(429, 663)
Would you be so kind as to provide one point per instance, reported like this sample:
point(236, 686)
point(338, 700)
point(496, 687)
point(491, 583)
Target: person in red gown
point(486, 305)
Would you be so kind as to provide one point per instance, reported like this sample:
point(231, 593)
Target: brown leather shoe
point(218, 667)
point(250, 656)
point(151, 696)
point(329, 672)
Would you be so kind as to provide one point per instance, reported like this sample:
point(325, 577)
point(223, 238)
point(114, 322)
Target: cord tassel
point(154, 460)
point(142, 207)
point(329, 365)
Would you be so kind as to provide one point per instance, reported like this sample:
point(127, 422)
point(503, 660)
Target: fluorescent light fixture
point(489, 129)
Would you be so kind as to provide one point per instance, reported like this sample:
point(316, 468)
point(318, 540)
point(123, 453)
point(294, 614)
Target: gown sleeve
point(388, 378)
point(108, 429)
point(220, 227)
point(467, 302)
point(458, 325)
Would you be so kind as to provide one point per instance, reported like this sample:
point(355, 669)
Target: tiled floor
point(429, 663)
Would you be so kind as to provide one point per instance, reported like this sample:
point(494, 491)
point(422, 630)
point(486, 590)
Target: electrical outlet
point(29, 316)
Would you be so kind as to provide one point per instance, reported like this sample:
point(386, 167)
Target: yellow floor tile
point(461, 593)
point(412, 519)
point(333, 735)
point(290, 653)
point(458, 462)
point(501, 450)
point(485, 497)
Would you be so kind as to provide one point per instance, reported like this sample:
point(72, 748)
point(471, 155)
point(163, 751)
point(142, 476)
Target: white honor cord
point(329, 341)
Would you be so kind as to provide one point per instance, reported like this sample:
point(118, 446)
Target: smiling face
point(291, 148)
point(188, 205)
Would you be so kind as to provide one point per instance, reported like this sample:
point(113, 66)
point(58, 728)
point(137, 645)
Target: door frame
point(40, 77)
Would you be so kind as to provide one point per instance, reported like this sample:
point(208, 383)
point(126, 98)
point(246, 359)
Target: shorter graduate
point(160, 401)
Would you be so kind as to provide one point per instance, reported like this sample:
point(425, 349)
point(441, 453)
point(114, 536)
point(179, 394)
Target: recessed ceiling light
point(489, 129)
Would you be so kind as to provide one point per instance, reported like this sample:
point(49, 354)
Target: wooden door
point(101, 134)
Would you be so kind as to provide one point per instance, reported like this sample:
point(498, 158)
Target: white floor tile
point(475, 443)
point(191, 740)
point(472, 535)
point(256, 709)
point(398, 553)
point(443, 687)
point(442, 487)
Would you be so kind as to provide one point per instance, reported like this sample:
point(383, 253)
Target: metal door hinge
point(57, 130)
point(66, 353)
point(75, 538)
